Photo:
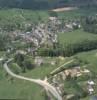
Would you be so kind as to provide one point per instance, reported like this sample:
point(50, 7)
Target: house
point(90, 89)
point(21, 52)
point(76, 25)
point(1, 59)
point(74, 72)
point(53, 62)
point(38, 61)
point(52, 18)
point(69, 26)
point(90, 82)
point(86, 71)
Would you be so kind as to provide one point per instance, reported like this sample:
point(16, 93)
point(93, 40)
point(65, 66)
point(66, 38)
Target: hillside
point(48, 49)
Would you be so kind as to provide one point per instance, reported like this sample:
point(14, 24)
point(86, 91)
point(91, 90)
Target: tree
point(19, 58)
point(89, 24)
point(5, 40)
point(28, 64)
point(53, 14)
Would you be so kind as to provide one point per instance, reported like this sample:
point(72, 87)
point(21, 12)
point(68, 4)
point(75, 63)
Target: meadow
point(75, 37)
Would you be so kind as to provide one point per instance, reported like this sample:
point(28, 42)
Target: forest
point(44, 4)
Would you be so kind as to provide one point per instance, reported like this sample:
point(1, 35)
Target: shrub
point(15, 68)
point(28, 64)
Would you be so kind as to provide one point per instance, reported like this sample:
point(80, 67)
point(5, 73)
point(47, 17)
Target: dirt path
point(64, 9)
point(62, 66)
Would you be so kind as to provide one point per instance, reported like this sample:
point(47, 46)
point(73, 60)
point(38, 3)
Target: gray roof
point(93, 98)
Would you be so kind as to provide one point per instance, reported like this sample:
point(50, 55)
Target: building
point(38, 61)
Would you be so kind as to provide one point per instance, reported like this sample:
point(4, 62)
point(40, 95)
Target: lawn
point(22, 15)
point(19, 90)
point(75, 37)
point(91, 58)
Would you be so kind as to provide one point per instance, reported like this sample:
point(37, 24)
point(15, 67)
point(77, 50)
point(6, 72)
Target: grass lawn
point(91, 58)
point(75, 37)
point(21, 16)
point(19, 90)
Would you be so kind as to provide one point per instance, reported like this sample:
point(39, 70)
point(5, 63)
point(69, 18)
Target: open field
point(91, 58)
point(75, 37)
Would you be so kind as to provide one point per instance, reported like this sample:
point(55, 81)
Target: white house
point(38, 61)
point(91, 90)
point(90, 82)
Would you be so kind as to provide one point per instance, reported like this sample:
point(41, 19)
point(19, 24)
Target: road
point(62, 66)
point(42, 83)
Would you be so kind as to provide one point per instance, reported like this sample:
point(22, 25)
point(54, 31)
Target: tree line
point(89, 24)
point(44, 4)
point(69, 49)
point(32, 4)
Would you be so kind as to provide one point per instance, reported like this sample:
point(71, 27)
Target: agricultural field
point(91, 58)
point(75, 37)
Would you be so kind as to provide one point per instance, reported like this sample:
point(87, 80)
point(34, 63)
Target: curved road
point(42, 83)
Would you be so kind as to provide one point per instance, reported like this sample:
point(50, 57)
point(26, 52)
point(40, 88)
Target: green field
point(19, 90)
point(22, 15)
point(75, 37)
point(91, 58)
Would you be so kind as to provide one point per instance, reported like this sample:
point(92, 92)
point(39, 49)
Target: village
point(44, 34)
